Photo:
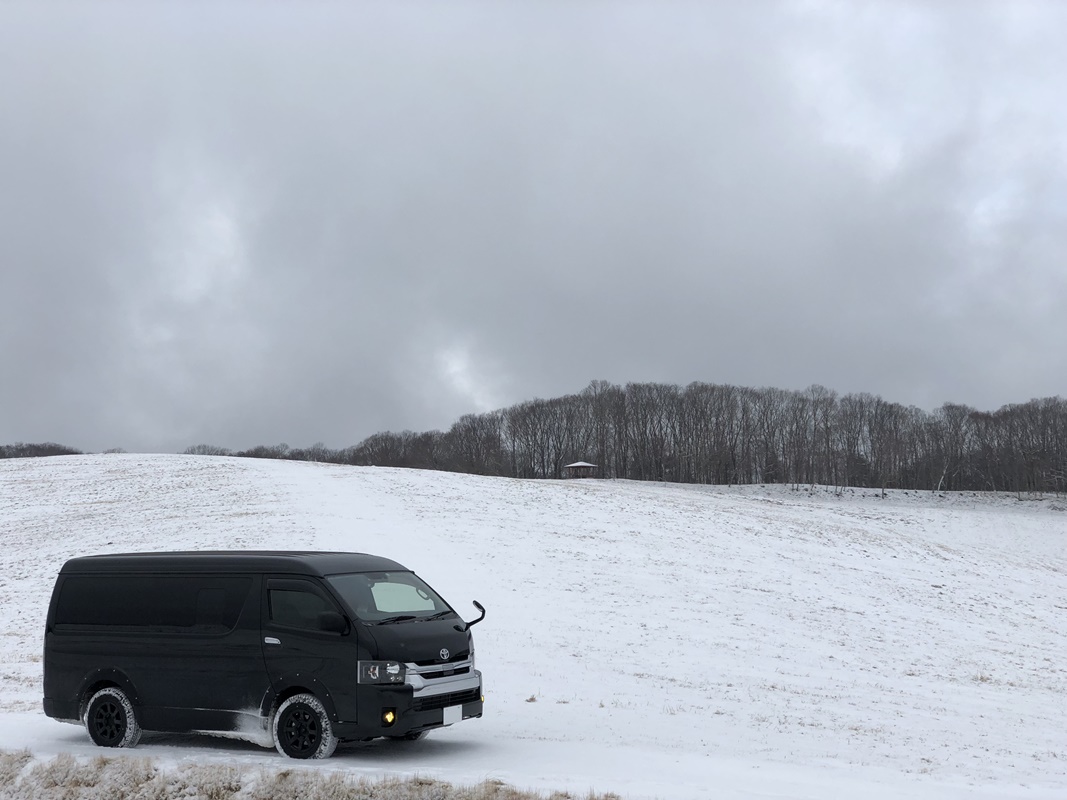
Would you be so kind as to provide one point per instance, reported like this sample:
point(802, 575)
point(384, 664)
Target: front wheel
point(110, 719)
point(302, 728)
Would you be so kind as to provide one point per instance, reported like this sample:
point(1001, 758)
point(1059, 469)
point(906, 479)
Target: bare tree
point(206, 450)
point(709, 433)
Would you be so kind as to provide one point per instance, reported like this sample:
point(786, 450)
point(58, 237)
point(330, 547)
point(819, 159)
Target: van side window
point(152, 604)
point(297, 607)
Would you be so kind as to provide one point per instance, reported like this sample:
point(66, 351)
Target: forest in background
point(720, 434)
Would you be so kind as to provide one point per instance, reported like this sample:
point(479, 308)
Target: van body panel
point(200, 670)
point(213, 641)
point(69, 705)
point(303, 657)
point(310, 562)
point(421, 642)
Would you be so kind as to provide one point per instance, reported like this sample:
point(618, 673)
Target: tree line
point(720, 434)
point(24, 450)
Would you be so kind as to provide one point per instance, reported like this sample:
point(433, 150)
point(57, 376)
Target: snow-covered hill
point(647, 639)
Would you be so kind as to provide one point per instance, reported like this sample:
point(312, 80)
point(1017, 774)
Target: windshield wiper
point(397, 618)
point(440, 614)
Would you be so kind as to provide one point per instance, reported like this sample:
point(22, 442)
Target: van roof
point(308, 562)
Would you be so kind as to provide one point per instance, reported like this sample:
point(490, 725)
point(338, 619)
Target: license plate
point(453, 714)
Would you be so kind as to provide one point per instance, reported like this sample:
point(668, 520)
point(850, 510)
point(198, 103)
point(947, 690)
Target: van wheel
point(302, 728)
point(110, 719)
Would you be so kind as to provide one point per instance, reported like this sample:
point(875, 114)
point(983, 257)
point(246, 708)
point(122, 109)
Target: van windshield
point(384, 597)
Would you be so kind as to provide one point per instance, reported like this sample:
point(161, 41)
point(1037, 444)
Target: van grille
point(446, 700)
point(462, 656)
point(430, 676)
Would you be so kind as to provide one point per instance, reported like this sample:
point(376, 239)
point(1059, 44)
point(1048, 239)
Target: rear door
point(298, 652)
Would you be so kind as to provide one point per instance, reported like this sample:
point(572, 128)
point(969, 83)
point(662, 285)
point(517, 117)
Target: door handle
point(271, 640)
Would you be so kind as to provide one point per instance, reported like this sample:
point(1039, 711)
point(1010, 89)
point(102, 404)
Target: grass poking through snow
point(127, 778)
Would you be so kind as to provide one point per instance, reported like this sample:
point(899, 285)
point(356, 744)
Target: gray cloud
point(243, 224)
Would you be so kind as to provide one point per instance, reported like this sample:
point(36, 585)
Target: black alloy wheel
point(108, 719)
point(299, 731)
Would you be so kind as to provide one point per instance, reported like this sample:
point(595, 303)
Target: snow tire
point(111, 720)
point(302, 729)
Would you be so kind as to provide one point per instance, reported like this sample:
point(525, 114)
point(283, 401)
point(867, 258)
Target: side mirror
point(332, 622)
point(467, 625)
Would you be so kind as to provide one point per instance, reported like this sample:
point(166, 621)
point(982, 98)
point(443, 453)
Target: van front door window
point(296, 609)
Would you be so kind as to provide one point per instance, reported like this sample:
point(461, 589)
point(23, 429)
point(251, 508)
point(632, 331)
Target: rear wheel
point(110, 719)
point(302, 728)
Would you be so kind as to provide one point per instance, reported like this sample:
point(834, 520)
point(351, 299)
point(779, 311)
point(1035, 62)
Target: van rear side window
point(200, 604)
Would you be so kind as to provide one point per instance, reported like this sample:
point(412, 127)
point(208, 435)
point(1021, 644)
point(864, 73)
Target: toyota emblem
point(444, 654)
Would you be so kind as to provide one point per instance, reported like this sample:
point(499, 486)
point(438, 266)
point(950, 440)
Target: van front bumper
point(418, 705)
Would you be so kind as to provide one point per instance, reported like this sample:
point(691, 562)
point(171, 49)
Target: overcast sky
point(246, 224)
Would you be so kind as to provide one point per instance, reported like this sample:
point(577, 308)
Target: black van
point(305, 648)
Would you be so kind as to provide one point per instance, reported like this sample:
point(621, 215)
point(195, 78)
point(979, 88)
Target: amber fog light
point(388, 717)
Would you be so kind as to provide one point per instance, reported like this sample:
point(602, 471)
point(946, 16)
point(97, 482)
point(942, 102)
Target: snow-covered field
point(646, 639)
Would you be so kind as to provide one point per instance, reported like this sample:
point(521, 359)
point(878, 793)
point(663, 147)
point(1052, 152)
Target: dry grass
point(129, 778)
point(11, 764)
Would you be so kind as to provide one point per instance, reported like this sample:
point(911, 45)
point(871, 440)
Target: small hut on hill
point(580, 469)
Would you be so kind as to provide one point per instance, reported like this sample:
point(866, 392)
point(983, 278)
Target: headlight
point(381, 672)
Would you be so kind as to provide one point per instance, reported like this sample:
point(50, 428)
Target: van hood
point(421, 641)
